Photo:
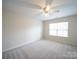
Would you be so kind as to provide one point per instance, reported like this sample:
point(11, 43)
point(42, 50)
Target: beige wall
point(72, 30)
point(18, 30)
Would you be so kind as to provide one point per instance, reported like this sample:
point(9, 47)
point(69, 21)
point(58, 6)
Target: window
point(59, 29)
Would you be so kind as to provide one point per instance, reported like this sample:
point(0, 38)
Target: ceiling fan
point(46, 9)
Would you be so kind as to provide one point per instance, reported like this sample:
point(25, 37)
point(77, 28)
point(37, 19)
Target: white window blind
point(59, 29)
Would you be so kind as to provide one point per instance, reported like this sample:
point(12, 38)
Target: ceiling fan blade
point(56, 8)
point(29, 4)
point(48, 2)
point(59, 6)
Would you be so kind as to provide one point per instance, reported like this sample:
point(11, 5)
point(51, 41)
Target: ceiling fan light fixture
point(46, 10)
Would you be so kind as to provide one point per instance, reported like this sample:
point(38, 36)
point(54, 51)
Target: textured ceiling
point(31, 8)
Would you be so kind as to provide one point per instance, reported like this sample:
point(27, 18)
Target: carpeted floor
point(42, 49)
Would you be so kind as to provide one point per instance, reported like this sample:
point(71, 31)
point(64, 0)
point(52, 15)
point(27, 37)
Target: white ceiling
point(65, 7)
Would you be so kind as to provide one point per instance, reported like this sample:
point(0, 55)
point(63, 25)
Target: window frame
point(57, 30)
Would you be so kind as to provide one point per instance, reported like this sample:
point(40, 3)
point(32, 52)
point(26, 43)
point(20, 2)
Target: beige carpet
point(42, 49)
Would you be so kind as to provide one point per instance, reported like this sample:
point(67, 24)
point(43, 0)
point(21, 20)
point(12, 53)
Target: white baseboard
point(18, 46)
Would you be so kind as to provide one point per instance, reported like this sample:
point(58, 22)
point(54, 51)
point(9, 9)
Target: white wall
point(18, 30)
point(72, 30)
